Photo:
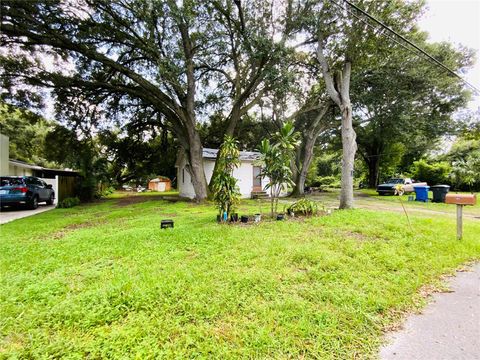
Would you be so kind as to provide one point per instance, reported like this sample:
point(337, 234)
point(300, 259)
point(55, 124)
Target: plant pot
point(244, 219)
point(258, 217)
point(234, 217)
point(280, 217)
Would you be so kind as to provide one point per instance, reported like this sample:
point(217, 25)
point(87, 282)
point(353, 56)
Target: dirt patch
point(72, 227)
point(362, 195)
point(192, 255)
point(86, 224)
point(356, 235)
point(171, 215)
point(132, 200)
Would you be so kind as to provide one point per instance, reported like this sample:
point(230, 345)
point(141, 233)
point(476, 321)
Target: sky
point(456, 21)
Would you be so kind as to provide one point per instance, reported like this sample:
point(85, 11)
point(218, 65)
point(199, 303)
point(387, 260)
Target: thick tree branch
point(329, 83)
point(56, 40)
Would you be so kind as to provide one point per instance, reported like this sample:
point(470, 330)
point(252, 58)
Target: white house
point(247, 173)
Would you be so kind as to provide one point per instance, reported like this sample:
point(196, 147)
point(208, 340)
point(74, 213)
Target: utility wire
point(389, 37)
point(437, 62)
point(374, 28)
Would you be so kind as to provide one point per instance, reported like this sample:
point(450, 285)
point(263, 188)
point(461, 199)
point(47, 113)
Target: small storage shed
point(160, 183)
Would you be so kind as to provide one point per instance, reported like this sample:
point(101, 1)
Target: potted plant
point(258, 216)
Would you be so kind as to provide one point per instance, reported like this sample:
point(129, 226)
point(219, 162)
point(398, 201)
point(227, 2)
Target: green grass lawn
point(103, 281)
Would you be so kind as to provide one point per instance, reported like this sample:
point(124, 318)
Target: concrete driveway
point(448, 329)
point(10, 214)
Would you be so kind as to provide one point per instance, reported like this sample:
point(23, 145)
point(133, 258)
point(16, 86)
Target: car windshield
point(395, 181)
point(8, 181)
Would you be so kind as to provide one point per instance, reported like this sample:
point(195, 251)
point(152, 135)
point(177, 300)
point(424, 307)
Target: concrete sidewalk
point(8, 214)
point(448, 328)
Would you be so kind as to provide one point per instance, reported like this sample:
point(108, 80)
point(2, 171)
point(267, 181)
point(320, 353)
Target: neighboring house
point(20, 168)
point(247, 173)
point(62, 180)
point(160, 183)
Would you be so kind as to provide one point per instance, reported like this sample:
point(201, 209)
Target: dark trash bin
point(421, 193)
point(439, 193)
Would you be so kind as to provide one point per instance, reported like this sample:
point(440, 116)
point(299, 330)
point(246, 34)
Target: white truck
point(390, 186)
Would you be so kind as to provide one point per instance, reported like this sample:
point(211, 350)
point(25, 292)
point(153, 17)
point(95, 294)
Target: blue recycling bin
point(421, 193)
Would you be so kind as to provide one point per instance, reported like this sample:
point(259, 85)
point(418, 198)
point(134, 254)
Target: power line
point(374, 28)
point(388, 36)
point(473, 87)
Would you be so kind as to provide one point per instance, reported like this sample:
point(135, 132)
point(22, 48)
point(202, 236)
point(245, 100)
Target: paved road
point(448, 329)
point(8, 214)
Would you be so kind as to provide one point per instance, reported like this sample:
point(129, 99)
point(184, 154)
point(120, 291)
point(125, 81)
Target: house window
point(183, 175)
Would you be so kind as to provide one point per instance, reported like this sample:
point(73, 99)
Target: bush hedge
point(68, 202)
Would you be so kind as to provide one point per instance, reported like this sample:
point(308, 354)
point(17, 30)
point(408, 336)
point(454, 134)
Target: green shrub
point(68, 202)
point(433, 174)
point(326, 181)
point(104, 192)
point(311, 174)
point(303, 207)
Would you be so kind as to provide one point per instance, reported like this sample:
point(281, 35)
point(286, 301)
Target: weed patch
point(114, 285)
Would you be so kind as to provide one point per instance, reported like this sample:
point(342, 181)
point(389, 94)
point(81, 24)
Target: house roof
point(25, 165)
point(160, 179)
point(244, 155)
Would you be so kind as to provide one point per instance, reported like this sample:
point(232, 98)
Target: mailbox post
point(460, 200)
point(459, 221)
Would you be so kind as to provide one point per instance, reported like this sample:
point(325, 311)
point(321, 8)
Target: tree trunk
point(195, 165)
point(305, 154)
point(232, 122)
point(195, 149)
point(373, 169)
point(338, 89)
point(305, 151)
point(349, 147)
point(272, 199)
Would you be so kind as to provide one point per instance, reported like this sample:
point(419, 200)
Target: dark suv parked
point(25, 190)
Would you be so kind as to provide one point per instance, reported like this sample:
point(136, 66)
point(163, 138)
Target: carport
point(63, 181)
